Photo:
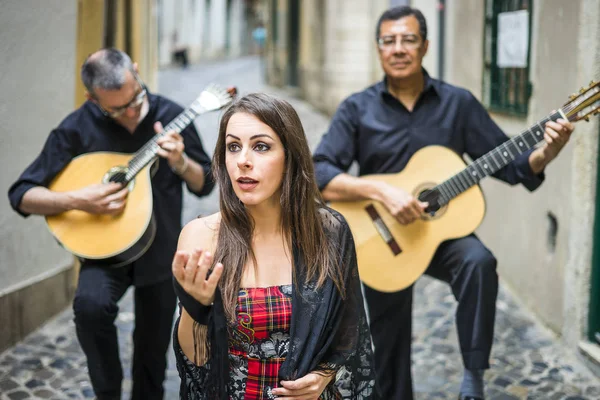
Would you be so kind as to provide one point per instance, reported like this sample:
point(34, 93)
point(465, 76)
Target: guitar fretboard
point(493, 161)
point(148, 152)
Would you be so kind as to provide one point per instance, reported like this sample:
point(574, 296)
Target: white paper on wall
point(513, 39)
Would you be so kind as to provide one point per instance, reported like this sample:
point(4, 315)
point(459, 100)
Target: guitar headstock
point(584, 103)
point(213, 97)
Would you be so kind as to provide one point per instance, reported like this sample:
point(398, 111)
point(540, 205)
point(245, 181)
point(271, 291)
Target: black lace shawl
point(327, 332)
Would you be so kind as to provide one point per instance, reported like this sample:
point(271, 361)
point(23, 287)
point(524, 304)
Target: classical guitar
point(392, 256)
point(119, 240)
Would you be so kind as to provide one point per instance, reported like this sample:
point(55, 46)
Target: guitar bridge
point(383, 230)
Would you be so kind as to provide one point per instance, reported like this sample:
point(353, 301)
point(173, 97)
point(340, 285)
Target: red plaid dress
point(258, 345)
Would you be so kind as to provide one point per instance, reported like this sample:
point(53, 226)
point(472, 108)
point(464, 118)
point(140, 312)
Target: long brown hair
point(300, 202)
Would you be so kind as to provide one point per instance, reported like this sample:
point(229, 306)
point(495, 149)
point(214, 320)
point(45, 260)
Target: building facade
point(40, 70)
point(522, 59)
point(206, 28)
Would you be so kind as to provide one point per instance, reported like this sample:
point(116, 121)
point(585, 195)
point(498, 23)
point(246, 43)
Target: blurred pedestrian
point(179, 51)
point(259, 34)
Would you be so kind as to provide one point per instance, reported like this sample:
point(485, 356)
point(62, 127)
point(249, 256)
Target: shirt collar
point(431, 84)
point(153, 102)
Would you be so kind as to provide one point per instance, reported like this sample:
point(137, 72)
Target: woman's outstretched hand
point(192, 272)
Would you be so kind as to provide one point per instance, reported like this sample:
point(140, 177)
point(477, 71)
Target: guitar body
point(386, 269)
point(118, 240)
point(105, 239)
point(392, 256)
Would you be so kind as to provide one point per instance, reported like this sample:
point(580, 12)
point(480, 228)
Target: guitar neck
point(494, 160)
point(148, 152)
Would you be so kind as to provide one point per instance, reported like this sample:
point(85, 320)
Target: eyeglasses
point(409, 42)
point(135, 102)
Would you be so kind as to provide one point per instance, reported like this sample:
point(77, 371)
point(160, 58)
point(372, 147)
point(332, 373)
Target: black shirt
point(88, 130)
point(375, 129)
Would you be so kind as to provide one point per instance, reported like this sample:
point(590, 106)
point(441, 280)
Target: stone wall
point(38, 82)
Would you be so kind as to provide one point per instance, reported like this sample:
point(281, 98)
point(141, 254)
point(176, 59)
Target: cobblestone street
point(528, 362)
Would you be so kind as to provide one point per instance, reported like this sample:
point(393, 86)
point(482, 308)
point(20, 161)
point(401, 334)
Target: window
point(507, 39)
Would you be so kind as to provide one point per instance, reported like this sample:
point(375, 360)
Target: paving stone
point(504, 396)
point(57, 383)
point(87, 392)
point(502, 382)
point(44, 374)
point(34, 383)
point(19, 395)
point(8, 384)
point(593, 391)
point(44, 394)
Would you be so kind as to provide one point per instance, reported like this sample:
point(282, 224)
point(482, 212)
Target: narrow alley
point(528, 361)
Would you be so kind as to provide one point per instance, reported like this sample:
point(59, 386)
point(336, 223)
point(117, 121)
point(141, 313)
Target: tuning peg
point(582, 90)
point(587, 118)
point(592, 83)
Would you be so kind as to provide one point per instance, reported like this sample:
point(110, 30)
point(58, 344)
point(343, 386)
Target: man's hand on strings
point(556, 135)
point(100, 198)
point(402, 205)
point(171, 148)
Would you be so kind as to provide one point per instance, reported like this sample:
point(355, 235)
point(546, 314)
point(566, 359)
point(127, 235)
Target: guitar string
point(138, 161)
point(141, 158)
point(499, 156)
point(455, 185)
point(152, 142)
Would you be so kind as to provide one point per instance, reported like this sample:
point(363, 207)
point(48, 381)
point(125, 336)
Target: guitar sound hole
point(119, 177)
point(432, 197)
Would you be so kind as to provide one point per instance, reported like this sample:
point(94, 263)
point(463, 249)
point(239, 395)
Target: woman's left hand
point(309, 387)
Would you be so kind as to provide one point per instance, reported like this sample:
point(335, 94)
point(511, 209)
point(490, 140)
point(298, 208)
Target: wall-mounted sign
point(513, 39)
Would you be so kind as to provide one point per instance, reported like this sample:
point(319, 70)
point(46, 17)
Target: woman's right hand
point(191, 271)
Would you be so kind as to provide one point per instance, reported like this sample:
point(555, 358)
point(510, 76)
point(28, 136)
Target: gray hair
point(105, 69)
point(397, 13)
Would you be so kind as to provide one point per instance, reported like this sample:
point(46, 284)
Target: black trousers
point(470, 269)
point(95, 308)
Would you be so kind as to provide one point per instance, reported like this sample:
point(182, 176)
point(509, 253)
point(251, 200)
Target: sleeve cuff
point(194, 308)
point(15, 196)
point(209, 183)
point(525, 174)
point(324, 173)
